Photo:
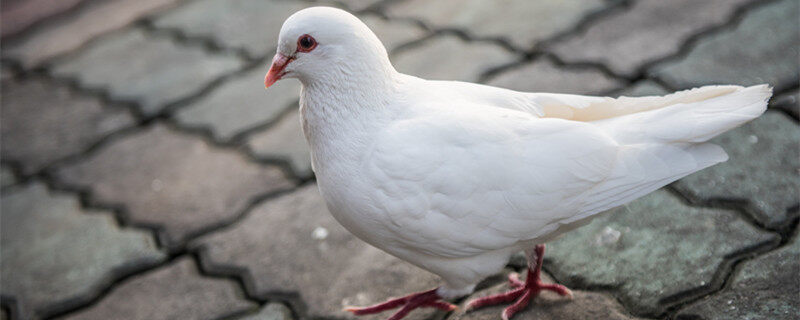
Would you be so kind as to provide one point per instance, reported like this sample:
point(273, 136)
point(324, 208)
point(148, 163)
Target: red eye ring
point(306, 43)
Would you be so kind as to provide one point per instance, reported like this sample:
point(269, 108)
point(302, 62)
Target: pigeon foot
point(410, 302)
point(521, 293)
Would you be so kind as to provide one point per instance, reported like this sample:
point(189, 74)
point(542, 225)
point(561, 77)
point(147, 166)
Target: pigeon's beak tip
point(269, 81)
point(276, 71)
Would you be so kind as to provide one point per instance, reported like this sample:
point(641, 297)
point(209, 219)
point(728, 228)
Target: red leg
point(520, 292)
point(410, 302)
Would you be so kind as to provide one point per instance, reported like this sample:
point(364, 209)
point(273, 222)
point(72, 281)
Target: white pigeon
point(455, 177)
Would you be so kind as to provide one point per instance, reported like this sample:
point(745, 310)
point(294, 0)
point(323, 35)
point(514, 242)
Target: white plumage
point(455, 177)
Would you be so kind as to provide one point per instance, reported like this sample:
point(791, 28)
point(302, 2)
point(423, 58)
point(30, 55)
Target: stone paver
point(764, 167)
point(284, 141)
point(789, 102)
point(7, 177)
point(653, 248)
point(448, 57)
point(768, 287)
point(626, 39)
point(544, 76)
point(523, 23)
point(16, 16)
point(252, 25)
point(42, 122)
point(57, 255)
point(154, 71)
point(271, 311)
point(644, 88)
point(6, 73)
point(549, 306)
point(231, 23)
point(240, 104)
point(214, 201)
point(393, 33)
point(357, 5)
point(763, 48)
point(176, 291)
point(172, 180)
point(292, 244)
point(78, 29)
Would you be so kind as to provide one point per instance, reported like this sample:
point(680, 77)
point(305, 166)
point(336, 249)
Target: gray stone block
point(448, 57)
point(651, 249)
point(17, 16)
point(240, 104)
point(70, 33)
point(175, 291)
point(766, 287)
point(542, 75)
point(523, 23)
point(153, 71)
point(284, 141)
point(232, 23)
point(647, 31)
point(788, 102)
point(57, 255)
point(173, 181)
point(393, 33)
point(644, 88)
point(293, 245)
point(7, 177)
point(763, 168)
point(764, 47)
point(42, 122)
point(252, 25)
point(271, 311)
point(356, 5)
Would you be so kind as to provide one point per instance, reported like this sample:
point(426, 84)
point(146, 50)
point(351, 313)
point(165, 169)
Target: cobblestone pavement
point(146, 174)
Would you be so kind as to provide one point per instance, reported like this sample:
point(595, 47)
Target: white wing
point(571, 106)
point(458, 184)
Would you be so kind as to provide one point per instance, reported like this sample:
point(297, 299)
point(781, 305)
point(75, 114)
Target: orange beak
point(279, 62)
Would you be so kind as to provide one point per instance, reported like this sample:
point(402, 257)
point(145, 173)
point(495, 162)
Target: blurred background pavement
point(146, 173)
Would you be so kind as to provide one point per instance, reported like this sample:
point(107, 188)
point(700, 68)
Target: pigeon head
point(323, 44)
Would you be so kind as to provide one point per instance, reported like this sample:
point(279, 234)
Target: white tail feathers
point(697, 116)
point(644, 168)
point(666, 143)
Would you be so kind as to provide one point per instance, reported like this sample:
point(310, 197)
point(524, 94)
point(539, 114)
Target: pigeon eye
point(306, 43)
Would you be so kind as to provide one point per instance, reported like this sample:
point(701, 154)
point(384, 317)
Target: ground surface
point(146, 174)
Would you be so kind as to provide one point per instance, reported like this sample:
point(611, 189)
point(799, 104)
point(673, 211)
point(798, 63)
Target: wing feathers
point(645, 168)
point(496, 176)
point(692, 122)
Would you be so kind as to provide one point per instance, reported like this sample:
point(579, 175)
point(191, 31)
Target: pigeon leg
point(410, 302)
point(514, 282)
point(522, 293)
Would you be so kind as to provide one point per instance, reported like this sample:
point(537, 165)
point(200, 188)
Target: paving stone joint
point(224, 216)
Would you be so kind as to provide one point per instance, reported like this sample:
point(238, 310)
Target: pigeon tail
point(691, 121)
point(646, 168)
point(660, 146)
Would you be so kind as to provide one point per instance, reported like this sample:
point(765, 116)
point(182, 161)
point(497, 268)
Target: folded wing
point(497, 176)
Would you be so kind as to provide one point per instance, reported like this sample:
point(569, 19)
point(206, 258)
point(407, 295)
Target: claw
point(569, 294)
point(521, 293)
point(514, 281)
point(406, 304)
